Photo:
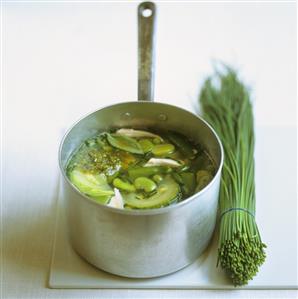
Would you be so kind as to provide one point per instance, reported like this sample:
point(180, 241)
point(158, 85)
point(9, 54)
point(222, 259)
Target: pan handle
point(146, 27)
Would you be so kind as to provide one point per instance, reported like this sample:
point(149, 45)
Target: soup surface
point(136, 169)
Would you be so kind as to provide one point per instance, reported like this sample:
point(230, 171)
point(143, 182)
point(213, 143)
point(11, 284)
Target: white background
point(63, 60)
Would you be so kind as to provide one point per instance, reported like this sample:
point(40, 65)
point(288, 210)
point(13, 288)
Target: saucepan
point(142, 243)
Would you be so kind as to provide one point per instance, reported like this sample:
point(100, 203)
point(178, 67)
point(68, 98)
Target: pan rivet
point(126, 115)
point(162, 117)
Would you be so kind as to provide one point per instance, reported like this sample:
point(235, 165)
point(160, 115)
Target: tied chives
point(228, 109)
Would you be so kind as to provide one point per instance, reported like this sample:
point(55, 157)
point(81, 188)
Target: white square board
point(276, 216)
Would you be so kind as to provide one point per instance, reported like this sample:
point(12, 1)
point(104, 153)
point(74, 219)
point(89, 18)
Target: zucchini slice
point(93, 185)
point(167, 192)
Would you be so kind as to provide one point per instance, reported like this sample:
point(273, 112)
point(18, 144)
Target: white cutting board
point(276, 191)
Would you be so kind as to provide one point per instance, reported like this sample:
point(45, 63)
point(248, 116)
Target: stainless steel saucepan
point(142, 243)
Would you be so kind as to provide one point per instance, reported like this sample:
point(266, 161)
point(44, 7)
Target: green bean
point(146, 171)
point(177, 178)
point(184, 146)
point(143, 183)
point(163, 149)
point(118, 183)
point(146, 145)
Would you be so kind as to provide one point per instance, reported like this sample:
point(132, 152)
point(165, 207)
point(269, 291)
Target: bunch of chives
point(228, 109)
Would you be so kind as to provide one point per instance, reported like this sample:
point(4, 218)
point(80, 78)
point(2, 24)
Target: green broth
point(137, 169)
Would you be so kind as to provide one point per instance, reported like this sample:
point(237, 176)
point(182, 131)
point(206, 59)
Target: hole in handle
point(146, 12)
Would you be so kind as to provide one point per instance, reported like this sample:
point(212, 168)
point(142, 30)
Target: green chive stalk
point(228, 109)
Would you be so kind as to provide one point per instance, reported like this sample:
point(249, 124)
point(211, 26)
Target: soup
point(137, 169)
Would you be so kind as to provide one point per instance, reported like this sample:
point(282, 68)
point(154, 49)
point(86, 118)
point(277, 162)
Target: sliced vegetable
point(118, 183)
point(162, 162)
point(136, 133)
point(92, 185)
point(163, 149)
point(143, 183)
point(146, 171)
point(177, 177)
point(125, 143)
point(146, 145)
point(167, 192)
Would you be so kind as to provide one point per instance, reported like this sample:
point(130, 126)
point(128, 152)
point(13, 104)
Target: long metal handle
point(146, 25)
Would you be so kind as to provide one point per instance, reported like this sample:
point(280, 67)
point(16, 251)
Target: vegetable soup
point(136, 169)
